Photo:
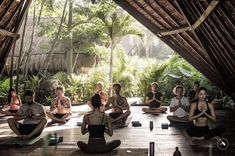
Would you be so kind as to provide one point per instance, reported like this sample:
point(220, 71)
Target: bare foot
point(63, 120)
point(19, 136)
point(23, 137)
point(198, 138)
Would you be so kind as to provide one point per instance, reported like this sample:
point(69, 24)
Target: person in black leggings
point(96, 123)
point(202, 111)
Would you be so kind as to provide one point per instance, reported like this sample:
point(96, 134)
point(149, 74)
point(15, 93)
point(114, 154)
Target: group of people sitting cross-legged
point(118, 104)
point(97, 122)
point(200, 111)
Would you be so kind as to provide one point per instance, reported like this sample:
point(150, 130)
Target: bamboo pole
point(20, 55)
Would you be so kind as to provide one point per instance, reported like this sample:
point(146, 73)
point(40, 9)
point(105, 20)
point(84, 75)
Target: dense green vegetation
point(97, 29)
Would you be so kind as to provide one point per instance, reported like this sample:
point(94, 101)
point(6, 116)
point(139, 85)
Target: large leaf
point(174, 76)
point(185, 72)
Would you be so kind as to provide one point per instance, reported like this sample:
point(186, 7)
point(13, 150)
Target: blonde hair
point(100, 83)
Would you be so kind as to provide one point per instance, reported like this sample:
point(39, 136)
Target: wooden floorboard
point(135, 138)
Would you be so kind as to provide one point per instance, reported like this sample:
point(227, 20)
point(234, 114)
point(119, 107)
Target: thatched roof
point(84, 63)
point(201, 31)
point(12, 13)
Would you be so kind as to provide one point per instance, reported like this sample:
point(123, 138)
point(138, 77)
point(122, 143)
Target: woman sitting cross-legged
point(202, 111)
point(97, 123)
point(14, 103)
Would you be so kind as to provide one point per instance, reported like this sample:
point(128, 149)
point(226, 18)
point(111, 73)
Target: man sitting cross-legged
point(103, 95)
point(179, 106)
point(118, 104)
point(154, 100)
point(60, 110)
point(33, 116)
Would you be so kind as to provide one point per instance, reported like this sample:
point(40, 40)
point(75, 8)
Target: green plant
point(227, 100)
point(4, 86)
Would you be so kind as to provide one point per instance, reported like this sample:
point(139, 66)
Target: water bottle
point(151, 148)
point(177, 152)
point(151, 125)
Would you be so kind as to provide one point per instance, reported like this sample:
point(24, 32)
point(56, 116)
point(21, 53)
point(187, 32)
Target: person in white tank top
point(179, 106)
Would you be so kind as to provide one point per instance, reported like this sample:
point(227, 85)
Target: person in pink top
point(14, 103)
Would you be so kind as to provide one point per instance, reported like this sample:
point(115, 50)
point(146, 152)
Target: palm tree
point(116, 25)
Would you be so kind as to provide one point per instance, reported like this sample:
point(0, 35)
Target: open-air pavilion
point(201, 31)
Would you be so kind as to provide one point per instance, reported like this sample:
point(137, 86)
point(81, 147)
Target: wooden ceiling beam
point(9, 13)
point(183, 12)
point(205, 14)
point(208, 73)
point(174, 31)
point(8, 45)
point(168, 25)
point(224, 86)
point(187, 29)
point(133, 11)
point(161, 24)
point(8, 33)
point(214, 36)
point(180, 35)
point(137, 15)
point(225, 13)
point(5, 4)
point(215, 24)
point(213, 51)
point(227, 35)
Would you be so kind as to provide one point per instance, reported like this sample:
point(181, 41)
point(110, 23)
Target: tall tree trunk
point(31, 42)
point(70, 50)
point(47, 60)
point(21, 49)
point(40, 11)
point(12, 64)
point(75, 60)
point(111, 70)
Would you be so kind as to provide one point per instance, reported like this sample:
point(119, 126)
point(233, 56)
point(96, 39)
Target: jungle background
point(76, 43)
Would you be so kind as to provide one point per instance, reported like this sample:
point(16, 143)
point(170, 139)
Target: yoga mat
point(2, 115)
point(180, 125)
point(76, 151)
point(203, 143)
point(121, 125)
point(17, 141)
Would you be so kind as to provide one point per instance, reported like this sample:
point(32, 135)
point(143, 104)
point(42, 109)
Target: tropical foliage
point(97, 29)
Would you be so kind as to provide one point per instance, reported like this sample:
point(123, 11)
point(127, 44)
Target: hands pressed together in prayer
point(154, 99)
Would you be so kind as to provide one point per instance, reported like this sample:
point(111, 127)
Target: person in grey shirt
point(33, 116)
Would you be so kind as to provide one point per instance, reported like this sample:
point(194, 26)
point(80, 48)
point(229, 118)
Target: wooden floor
point(135, 140)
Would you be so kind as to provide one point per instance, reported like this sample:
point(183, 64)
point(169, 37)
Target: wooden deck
point(135, 140)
